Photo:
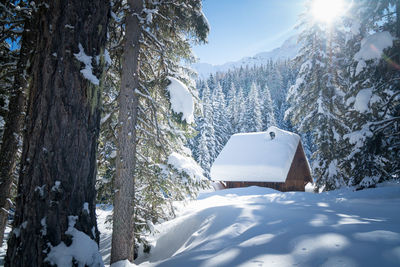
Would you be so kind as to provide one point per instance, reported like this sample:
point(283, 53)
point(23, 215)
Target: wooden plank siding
point(298, 176)
point(299, 173)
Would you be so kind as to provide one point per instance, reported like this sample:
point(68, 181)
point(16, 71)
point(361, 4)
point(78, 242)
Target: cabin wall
point(299, 173)
point(276, 186)
point(283, 187)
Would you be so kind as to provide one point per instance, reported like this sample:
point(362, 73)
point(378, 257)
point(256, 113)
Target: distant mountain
point(287, 50)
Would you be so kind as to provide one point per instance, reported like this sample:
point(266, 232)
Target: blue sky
point(242, 28)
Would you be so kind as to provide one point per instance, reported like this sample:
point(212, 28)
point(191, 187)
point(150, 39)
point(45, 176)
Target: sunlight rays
point(327, 10)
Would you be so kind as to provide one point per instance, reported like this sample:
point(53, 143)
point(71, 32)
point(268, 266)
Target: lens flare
point(327, 10)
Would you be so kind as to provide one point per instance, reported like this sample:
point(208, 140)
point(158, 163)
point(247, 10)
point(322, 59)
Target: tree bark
point(123, 224)
point(58, 163)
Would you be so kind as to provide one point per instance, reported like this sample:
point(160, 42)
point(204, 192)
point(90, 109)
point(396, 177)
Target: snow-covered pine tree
point(232, 108)
point(316, 101)
point(268, 114)
point(280, 119)
point(13, 80)
point(241, 125)
point(122, 244)
point(373, 97)
point(253, 110)
point(205, 152)
point(220, 119)
point(159, 131)
point(275, 84)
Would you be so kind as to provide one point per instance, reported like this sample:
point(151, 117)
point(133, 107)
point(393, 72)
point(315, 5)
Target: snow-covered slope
point(288, 49)
point(257, 226)
point(261, 227)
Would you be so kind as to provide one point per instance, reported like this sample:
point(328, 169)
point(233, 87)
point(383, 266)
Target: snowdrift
point(261, 227)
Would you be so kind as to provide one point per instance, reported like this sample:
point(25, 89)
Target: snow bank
point(181, 99)
point(372, 47)
point(262, 227)
point(255, 157)
point(83, 250)
point(187, 165)
point(104, 214)
point(124, 263)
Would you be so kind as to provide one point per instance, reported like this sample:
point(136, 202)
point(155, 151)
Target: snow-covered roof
point(255, 157)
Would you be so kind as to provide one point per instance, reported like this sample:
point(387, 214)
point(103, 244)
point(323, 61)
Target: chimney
point(272, 134)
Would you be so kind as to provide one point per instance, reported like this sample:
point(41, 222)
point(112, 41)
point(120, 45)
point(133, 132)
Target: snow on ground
point(257, 226)
point(83, 250)
point(261, 227)
point(105, 228)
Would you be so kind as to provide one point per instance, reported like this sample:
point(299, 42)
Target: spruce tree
point(220, 118)
point(13, 80)
point(122, 247)
point(206, 151)
point(268, 112)
point(373, 96)
point(232, 108)
point(159, 131)
point(253, 110)
point(316, 101)
point(241, 125)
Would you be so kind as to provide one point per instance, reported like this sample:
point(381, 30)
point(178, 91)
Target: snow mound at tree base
point(124, 263)
point(261, 227)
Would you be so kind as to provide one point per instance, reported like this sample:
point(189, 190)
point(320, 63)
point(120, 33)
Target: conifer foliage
point(346, 95)
point(159, 134)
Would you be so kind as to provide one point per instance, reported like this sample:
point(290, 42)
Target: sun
point(327, 10)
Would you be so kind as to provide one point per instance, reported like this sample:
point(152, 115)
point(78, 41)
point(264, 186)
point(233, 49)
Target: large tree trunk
point(123, 225)
point(58, 164)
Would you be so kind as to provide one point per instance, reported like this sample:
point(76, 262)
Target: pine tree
point(241, 118)
point(268, 113)
point(122, 246)
point(159, 131)
point(316, 101)
point(205, 151)
point(253, 110)
point(232, 109)
point(220, 119)
point(56, 193)
point(12, 85)
point(374, 123)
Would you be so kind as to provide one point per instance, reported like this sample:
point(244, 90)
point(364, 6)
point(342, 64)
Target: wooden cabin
point(273, 159)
